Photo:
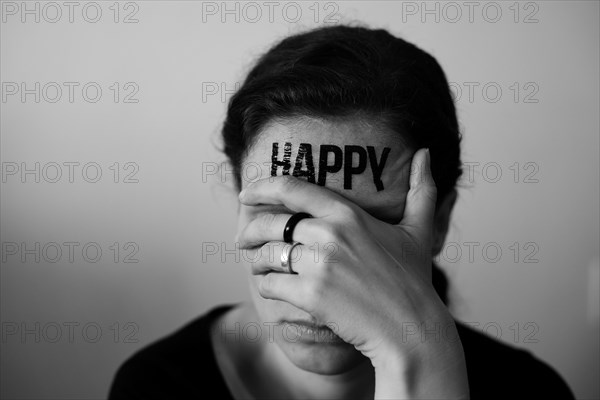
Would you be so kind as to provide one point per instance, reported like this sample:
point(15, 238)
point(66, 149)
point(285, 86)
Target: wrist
point(430, 366)
point(446, 379)
point(419, 339)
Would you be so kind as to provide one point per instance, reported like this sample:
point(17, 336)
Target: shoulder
point(171, 366)
point(499, 370)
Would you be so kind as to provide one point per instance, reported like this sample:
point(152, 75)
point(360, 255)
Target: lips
point(309, 332)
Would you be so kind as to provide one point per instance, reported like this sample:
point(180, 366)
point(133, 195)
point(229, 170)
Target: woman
point(356, 137)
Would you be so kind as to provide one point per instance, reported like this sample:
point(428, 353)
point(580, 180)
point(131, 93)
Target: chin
point(320, 358)
point(312, 350)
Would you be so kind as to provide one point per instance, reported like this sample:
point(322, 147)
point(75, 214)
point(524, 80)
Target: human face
point(379, 188)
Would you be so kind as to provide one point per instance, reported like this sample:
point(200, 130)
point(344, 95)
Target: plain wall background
point(176, 55)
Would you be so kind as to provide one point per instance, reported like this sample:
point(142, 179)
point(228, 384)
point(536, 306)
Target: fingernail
point(242, 194)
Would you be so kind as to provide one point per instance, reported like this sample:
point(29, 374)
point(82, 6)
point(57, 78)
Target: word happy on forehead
point(343, 160)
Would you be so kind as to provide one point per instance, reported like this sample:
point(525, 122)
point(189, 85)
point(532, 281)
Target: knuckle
point(430, 191)
point(331, 256)
point(326, 268)
point(314, 291)
point(265, 286)
point(332, 233)
point(426, 190)
point(346, 211)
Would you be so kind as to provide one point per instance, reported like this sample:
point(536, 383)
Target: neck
point(356, 383)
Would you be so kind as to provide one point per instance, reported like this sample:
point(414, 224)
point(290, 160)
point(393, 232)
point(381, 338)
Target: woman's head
point(344, 71)
point(347, 106)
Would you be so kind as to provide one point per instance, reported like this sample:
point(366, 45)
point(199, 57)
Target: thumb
point(421, 198)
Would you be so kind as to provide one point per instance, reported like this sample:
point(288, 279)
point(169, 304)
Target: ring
point(286, 258)
point(291, 224)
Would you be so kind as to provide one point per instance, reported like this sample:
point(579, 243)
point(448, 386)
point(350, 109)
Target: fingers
point(264, 228)
point(284, 287)
point(296, 194)
point(420, 201)
point(269, 227)
point(307, 288)
point(268, 258)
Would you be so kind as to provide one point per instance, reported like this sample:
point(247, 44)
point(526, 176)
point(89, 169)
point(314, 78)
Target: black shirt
point(183, 366)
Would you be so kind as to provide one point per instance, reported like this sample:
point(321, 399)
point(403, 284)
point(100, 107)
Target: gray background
point(181, 59)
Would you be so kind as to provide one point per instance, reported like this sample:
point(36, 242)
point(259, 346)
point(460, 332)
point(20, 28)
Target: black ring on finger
point(288, 231)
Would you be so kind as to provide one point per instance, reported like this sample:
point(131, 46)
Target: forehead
point(360, 161)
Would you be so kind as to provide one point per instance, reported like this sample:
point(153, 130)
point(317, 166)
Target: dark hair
point(347, 71)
